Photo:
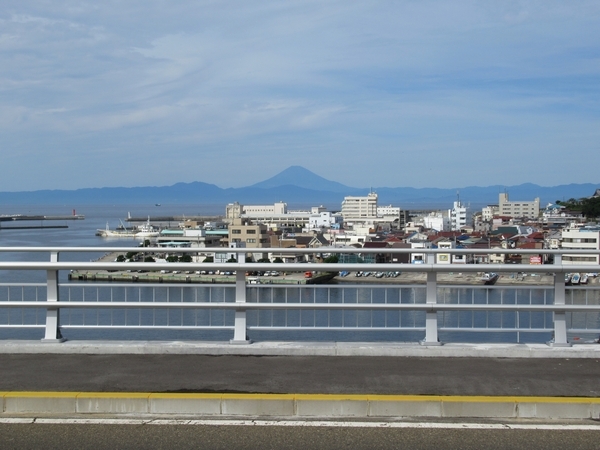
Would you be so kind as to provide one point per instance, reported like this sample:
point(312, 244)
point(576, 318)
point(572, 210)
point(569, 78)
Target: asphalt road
point(292, 374)
point(113, 437)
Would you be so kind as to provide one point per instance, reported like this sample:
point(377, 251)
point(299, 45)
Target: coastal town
point(361, 223)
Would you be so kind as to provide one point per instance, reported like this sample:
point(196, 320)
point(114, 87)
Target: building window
point(251, 241)
point(250, 231)
point(235, 231)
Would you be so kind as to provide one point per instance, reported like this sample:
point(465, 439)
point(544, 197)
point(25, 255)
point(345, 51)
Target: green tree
point(331, 259)
point(149, 259)
point(186, 258)
point(591, 207)
point(208, 259)
point(172, 258)
point(121, 258)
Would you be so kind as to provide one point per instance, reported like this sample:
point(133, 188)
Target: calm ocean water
point(81, 233)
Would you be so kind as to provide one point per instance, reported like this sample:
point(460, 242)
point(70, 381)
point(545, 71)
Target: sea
point(308, 324)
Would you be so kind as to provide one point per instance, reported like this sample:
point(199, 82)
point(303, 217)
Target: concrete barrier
point(298, 405)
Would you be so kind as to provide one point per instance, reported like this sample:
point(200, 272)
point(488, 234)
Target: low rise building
point(529, 209)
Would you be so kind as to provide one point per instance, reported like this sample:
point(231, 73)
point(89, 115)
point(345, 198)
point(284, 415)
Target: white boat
point(146, 231)
point(119, 232)
point(584, 279)
point(575, 278)
point(490, 278)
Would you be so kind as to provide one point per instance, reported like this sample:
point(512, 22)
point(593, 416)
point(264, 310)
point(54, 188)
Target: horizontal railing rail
point(431, 307)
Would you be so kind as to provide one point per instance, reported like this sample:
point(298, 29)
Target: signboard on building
point(535, 259)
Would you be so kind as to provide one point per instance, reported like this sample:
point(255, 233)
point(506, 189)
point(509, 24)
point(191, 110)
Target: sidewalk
point(165, 378)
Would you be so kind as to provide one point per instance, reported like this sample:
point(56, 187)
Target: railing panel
point(354, 309)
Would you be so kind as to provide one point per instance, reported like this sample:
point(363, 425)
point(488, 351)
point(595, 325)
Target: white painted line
point(16, 420)
point(305, 423)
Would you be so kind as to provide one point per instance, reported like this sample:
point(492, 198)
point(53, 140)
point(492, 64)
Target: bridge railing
point(420, 305)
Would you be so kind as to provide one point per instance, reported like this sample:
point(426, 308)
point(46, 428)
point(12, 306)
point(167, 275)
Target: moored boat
point(575, 278)
point(119, 232)
point(490, 278)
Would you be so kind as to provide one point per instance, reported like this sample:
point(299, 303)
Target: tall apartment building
point(356, 209)
point(518, 209)
point(458, 216)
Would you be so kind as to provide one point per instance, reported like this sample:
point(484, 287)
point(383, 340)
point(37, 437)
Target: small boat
point(575, 278)
point(568, 277)
point(584, 279)
point(490, 278)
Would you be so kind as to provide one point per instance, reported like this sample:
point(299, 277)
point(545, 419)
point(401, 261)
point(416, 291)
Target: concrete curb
point(299, 405)
point(301, 349)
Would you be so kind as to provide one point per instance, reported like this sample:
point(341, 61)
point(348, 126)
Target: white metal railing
point(57, 304)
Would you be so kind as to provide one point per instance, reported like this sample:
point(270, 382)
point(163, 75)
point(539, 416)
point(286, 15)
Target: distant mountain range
point(296, 186)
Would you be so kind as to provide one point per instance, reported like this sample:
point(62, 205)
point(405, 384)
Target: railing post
point(560, 318)
point(240, 332)
point(431, 321)
point(52, 333)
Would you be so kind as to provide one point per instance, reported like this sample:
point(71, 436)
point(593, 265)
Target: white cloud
point(306, 79)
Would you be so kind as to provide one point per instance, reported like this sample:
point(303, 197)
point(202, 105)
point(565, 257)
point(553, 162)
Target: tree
point(331, 259)
point(231, 260)
point(591, 207)
point(278, 260)
point(121, 258)
point(172, 258)
point(149, 259)
point(186, 257)
point(208, 259)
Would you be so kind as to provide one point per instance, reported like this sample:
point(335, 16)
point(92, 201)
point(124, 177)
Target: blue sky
point(380, 93)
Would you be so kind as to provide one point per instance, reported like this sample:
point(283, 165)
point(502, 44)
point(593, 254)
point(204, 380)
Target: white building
point(458, 216)
point(275, 216)
point(360, 209)
point(323, 219)
point(236, 210)
point(488, 213)
point(436, 220)
point(580, 238)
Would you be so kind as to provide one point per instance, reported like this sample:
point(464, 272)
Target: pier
point(36, 217)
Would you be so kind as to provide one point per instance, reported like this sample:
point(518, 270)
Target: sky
point(405, 93)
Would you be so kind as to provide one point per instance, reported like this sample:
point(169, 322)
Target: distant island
point(296, 185)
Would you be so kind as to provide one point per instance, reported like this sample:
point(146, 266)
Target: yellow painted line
point(184, 396)
point(258, 396)
point(305, 397)
point(118, 395)
point(41, 394)
point(333, 397)
point(405, 398)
